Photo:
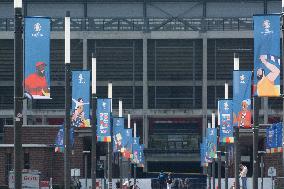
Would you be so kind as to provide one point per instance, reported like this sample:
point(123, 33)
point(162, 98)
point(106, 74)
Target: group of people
point(165, 180)
point(243, 176)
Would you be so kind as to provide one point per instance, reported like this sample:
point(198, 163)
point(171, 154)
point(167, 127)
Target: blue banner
point(135, 148)
point(37, 57)
point(202, 155)
point(80, 99)
point(212, 142)
point(207, 157)
point(103, 120)
point(141, 157)
point(225, 108)
point(274, 138)
point(242, 98)
point(279, 134)
point(59, 141)
point(118, 133)
point(127, 143)
point(267, 55)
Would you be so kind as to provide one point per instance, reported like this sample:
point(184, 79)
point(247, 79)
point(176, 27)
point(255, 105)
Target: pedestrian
point(162, 179)
point(233, 186)
point(169, 181)
point(243, 175)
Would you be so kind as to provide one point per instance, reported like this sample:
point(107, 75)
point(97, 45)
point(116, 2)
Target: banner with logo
point(103, 120)
point(118, 133)
point(242, 99)
point(212, 142)
point(135, 148)
point(127, 144)
point(226, 121)
point(141, 157)
point(207, 157)
point(59, 141)
point(279, 133)
point(267, 55)
point(274, 138)
point(37, 57)
point(80, 99)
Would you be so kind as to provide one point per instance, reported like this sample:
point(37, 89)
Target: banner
point(103, 120)
point(274, 138)
point(207, 157)
point(226, 121)
point(135, 148)
point(267, 55)
point(59, 142)
point(127, 144)
point(141, 157)
point(37, 57)
point(118, 133)
point(212, 142)
point(242, 98)
point(80, 99)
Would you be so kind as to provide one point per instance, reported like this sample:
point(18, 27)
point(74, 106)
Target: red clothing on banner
point(35, 84)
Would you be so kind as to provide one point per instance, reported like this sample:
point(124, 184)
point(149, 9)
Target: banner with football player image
point(80, 99)
point(103, 120)
point(127, 143)
point(242, 99)
point(225, 111)
point(212, 142)
point(118, 133)
point(135, 148)
point(266, 55)
point(37, 57)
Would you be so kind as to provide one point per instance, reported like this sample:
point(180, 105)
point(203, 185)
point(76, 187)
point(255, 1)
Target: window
point(8, 166)
point(26, 161)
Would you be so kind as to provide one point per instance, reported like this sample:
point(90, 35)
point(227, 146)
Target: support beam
point(204, 87)
point(85, 54)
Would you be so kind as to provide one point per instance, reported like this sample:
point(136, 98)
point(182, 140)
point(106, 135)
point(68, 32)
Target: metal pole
point(94, 126)
point(134, 165)
point(86, 171)
point(18, 93)
point(120, 153)
point(226, 166)
point(109, 144)
point(237, 157)
point(262, 167)
point(213, 173)
point(129, 162)
point(67, 173)
point(255, 141)
point(209, 174)
point(236, 132)
point(219, 168)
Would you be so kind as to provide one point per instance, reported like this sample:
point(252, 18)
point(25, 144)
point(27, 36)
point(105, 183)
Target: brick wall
point(43, 159)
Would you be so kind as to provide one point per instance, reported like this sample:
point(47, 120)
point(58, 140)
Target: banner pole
point(236, 140)
point(226, 145)
point(93, 125)
point(213, 160)
point(109, 144)
point(67, 150)
point(18, 93)
point(134, 166)
point(120, 153)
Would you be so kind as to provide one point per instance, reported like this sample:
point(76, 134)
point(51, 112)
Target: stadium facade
point(167, 59)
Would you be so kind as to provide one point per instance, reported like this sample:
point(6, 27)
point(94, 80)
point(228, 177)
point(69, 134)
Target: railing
point(139, 24)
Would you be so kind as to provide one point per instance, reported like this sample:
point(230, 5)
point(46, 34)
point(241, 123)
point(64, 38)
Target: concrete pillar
point(204, 85)
point(85, 53)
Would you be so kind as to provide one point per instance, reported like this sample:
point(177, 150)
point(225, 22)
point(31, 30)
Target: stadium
point(168, 61)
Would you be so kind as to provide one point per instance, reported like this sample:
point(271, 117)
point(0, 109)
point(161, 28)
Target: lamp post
point(134, 166)
point(109, 144)
point(120, 153)
point(236, 129)
point(129, 162)
point(226, 145)
point(261, 153)
point(18, 93)
point(94, 126)
point(213, 160)
point(86, 168)
point(67, 173)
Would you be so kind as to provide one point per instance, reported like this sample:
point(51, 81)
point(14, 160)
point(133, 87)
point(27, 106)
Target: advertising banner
point(103, 120)
point(80, 99)
point(242, 98)
point(127, 144)
point(226, 121)
point(118, 133)
point(212, 142)
point(267, 55)
point(37, 57)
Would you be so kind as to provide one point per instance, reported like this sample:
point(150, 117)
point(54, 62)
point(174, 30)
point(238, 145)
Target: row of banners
point(266, 83)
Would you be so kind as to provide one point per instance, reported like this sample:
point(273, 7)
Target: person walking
point(162, 179)
point(243, 175)
point(169, 181)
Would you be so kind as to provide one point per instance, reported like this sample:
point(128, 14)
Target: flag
point(80, 99)
point(118, 133)
point(242, 99)
point(212, 142)
point(59, 142)
point(127, 144)
point(37, 57)
point(103, 120)
point(226, 121)
point(267, 55)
